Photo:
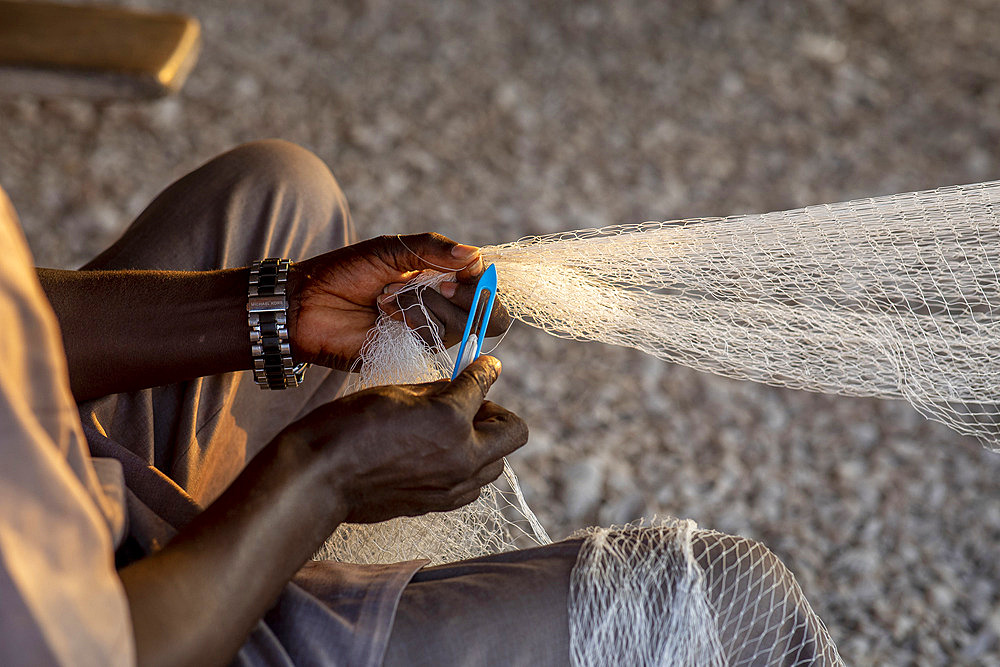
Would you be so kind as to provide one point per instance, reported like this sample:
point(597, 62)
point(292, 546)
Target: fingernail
point(497, 365)
point(448, 289)
point(392, 288)
point(464, 253)
point(387, 297)
point(477, 268)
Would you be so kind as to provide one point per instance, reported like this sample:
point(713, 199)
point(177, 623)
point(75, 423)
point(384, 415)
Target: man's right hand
point(370, 456)
point(406, 450)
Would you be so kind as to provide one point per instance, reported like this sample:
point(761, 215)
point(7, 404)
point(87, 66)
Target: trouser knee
point(290, 176)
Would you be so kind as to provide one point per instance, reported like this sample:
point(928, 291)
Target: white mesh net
point(499, 521)
point(896, 297)
point(671, 594)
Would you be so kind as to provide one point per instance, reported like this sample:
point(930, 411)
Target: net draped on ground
point(894, 297)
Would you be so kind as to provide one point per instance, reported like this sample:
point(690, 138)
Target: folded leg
point(181, 445)
point(663, 594)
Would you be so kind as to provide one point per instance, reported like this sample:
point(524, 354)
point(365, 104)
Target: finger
point(432, 251)
point(388, 305)
point(387, 299)
point(499, 431)
point(432, 388)
point(489, 410)
point(472, 271)
point(417, 314)
point(468, 390)
point(462, 295)
point(487, 474)
point(415, 502)
point(451, 317)
point(403, 393)
point(466, 498)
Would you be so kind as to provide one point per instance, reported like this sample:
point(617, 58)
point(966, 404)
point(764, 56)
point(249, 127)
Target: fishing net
point(672, 594)
point(499, 520)
point(895, 297)
point(662, 594)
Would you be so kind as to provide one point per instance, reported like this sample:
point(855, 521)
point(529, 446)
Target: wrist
point(297, 276)
point(307, 462)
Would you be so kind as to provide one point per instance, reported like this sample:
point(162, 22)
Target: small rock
point(583, 486)
point(625, 509)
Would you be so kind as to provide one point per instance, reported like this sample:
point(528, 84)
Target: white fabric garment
point(61, 601)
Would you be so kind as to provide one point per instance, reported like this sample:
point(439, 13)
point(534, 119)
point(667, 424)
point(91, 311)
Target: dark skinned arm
point(128, 330)
point(385, 452)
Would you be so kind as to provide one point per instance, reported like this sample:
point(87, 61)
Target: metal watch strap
point(267, 315)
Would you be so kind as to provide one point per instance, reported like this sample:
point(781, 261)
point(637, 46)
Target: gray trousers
point(182, 445)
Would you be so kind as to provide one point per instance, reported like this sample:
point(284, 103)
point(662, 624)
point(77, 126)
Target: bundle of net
point(500, 520)
point(895, 297)
point(662, 593)
point(669, 593)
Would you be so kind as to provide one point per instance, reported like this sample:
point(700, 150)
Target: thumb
point(468, 390)
point(434, 251)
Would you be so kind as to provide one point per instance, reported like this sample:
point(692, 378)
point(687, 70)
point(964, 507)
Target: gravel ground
point(488, 121)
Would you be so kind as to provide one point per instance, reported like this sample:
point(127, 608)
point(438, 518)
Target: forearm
point(197, 600)
point(127, 330)
point(400, 450)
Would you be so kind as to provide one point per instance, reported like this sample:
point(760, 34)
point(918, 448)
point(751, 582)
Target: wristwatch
point(267, 315)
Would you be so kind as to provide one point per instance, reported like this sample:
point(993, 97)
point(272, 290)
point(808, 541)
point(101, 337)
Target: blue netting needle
point(479, 318)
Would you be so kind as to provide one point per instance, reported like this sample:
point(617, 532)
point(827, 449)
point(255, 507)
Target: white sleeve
point(61, 601)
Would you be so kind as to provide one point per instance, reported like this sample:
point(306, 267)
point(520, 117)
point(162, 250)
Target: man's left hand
point(335, 298)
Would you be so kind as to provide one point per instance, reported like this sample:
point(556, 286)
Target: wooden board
point(93, 51)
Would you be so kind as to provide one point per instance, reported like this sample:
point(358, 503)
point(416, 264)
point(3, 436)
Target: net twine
point(894, 297)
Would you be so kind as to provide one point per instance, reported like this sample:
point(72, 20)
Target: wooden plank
point(93, 50)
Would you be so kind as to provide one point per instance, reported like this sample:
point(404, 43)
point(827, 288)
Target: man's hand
point(377, 454)
point(171, 326)
point(336, 297)
point(406, 450)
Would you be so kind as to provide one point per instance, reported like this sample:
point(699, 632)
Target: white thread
point(499, 521)
point(896, 296)
point(446, 269)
